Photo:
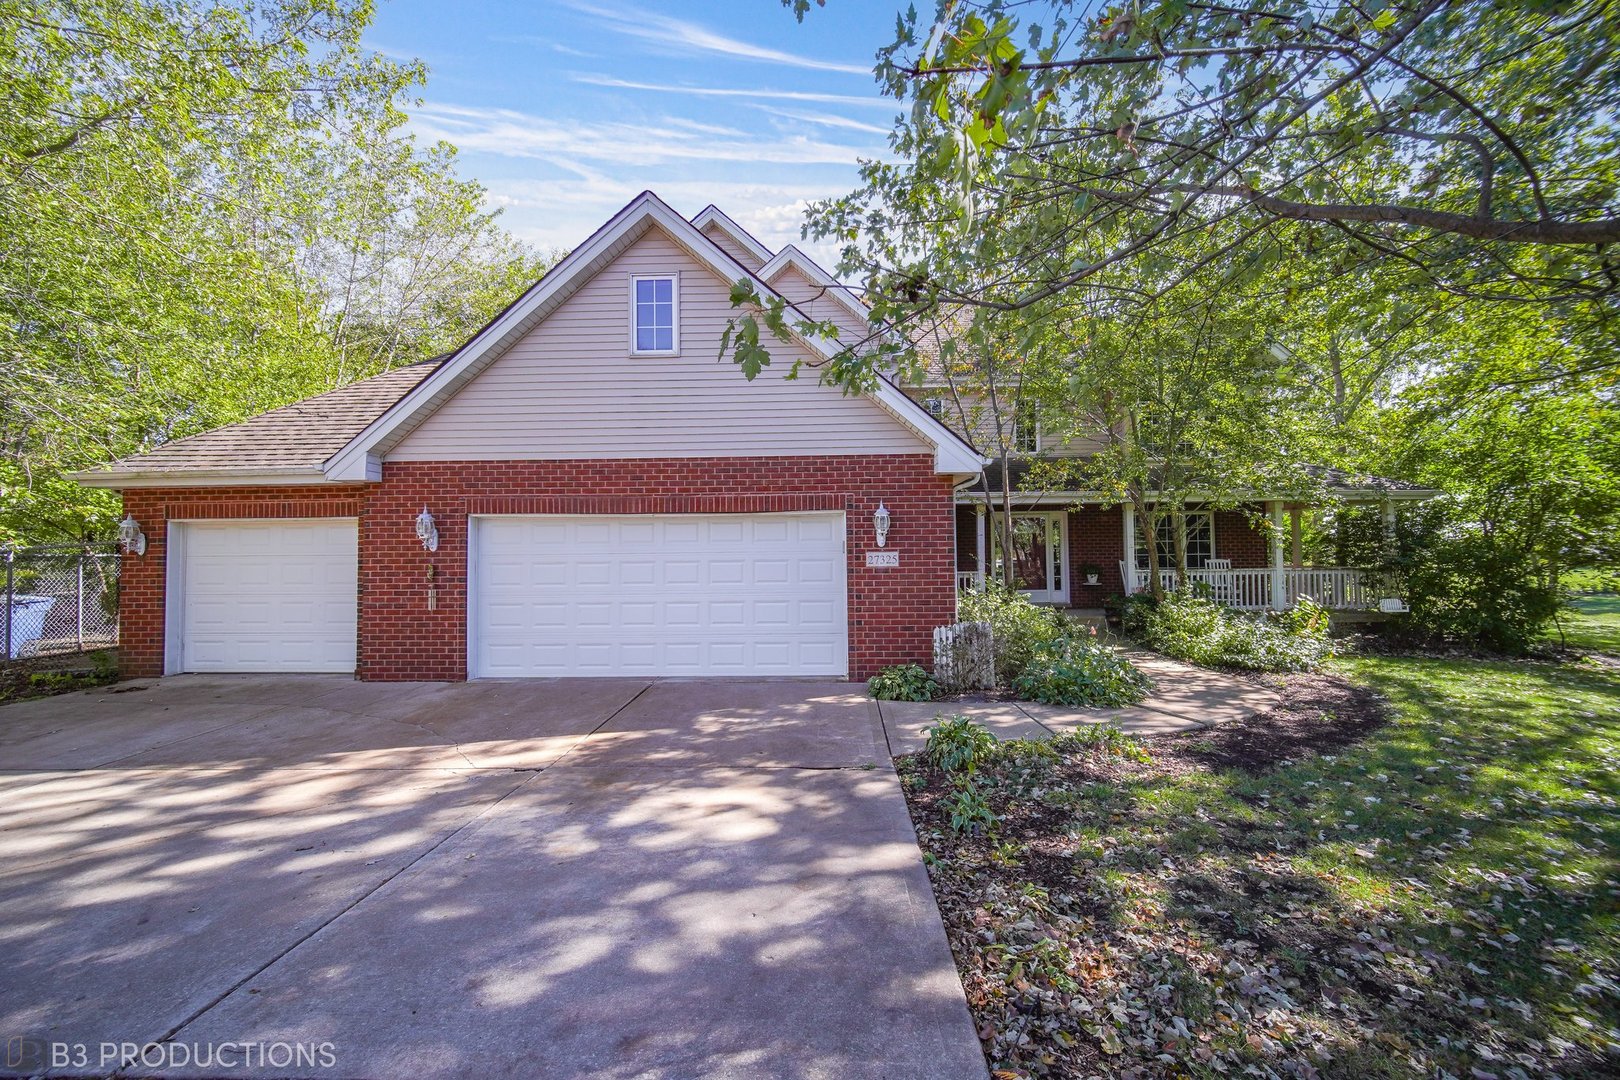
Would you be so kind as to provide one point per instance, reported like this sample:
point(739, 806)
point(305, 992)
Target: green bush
point(1080, 671)
point(1466, 590)
point(969, 809)
point(957, 744)
point(903, 682)
point(1019, 626)
point(1198, 630)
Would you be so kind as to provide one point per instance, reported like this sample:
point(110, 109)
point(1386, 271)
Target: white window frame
point(674, 279)
point(1140, 555)
point(1057, 558)
point(935, 406)
point(1020, 430)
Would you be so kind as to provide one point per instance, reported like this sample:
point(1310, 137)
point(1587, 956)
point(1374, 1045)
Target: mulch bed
point(1318, 714)
point(61, 674)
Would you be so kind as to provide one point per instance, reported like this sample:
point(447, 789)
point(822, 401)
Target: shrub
point(1080, 671)
point(1468, 591)
point(1199, 630)
point(903, 682)
point(969, 809)
point(957, 744)
point(1019, 626)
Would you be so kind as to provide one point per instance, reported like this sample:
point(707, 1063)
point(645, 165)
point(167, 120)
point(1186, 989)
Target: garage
point(263, 595)
point(678, 594)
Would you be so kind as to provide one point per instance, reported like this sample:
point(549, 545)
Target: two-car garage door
point(688, 594)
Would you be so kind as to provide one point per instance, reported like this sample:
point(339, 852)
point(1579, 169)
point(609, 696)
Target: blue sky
point(565, 109)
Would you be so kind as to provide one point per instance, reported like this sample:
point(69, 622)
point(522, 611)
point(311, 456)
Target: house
point(584, 488)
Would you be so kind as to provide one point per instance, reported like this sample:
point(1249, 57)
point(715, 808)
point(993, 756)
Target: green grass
point(1594, 626)
point(1436, 899)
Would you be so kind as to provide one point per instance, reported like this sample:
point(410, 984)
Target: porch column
point(1128, 581)
point(979, 516)
point(1279, 582)
point(1293, 525)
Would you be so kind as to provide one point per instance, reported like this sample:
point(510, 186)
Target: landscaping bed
point(1408, 869)
point(48, 675)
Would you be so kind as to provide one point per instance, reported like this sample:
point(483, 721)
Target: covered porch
point(1068, 552)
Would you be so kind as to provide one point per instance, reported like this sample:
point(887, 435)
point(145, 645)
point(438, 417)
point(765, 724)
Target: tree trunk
point(1178, 537)
point(1147, 524)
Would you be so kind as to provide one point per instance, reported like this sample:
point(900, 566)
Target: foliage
point(968, 810)
point(1467, 589)
point(1432, 899)
point(208, 210)
point(1592, 625)
point(903, 682)
point(957, 744)
point(1020, 626)
point(1080, 671)
point(1197, 629)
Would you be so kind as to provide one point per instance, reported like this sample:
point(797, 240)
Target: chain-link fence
point(59, 599)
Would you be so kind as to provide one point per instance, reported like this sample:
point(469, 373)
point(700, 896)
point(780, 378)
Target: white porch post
point(1279, 583)
point(1130, 549)
point(984, 571)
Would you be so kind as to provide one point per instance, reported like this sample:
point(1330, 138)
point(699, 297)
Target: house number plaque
point(882, 558)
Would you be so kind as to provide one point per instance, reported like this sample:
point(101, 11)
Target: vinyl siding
point(569, 388)
point(982, 426)
point(799, 290)
point(731, 247)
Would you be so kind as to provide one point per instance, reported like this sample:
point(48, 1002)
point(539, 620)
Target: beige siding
point(813, 300)
point(982, 426)
point(731, 247)
point(569, 388)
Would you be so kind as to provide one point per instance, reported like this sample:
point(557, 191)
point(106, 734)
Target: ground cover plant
point(903, 682)
point(1197, 629)
point(1409, 870)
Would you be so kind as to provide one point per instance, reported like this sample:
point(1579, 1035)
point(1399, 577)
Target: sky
point(567, 109)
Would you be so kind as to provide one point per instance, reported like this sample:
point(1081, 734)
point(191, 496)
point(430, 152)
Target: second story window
point(936, 407)
point(654, 314)
point(1026, 432)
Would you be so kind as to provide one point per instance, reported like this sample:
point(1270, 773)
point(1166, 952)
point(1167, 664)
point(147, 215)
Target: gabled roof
point(343, 435)
point(713, 215)
point(791, 256)
point(285, 445)
point(361, 459)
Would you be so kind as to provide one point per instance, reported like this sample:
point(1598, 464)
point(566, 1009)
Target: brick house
point(587, 488)
point(583, 488)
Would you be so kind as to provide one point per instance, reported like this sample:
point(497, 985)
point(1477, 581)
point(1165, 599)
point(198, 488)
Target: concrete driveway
point(551, 878)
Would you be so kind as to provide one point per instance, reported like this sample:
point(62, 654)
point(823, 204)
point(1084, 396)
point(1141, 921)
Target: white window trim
point(674, 277)
point(1140, 555)
point(1059, 518)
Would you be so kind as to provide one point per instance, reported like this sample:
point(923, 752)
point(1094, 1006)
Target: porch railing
point(968, 580)
point(1335, 587)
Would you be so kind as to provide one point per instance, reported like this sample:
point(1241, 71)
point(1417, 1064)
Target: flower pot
point(1093, 579)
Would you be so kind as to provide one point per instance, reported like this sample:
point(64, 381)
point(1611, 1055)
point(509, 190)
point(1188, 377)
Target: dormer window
point(655, 314)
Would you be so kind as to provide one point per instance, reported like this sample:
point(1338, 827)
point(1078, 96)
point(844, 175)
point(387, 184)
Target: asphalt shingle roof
point(302, 434)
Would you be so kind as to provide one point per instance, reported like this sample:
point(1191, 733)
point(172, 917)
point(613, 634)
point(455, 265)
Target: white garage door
point(264, 595)
point(730, 594)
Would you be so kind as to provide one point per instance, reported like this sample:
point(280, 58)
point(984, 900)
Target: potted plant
point(1092, 573)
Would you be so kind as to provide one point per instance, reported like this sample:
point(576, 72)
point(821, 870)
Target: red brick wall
point(142, 578)
point(892, 612)
point(1237, 539)
point(1096, 535)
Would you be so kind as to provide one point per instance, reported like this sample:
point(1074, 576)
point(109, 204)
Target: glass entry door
point(1037, 551)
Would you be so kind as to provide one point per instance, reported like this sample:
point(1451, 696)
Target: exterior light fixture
point(427, 531)
point(131, 537)
point(880, 523)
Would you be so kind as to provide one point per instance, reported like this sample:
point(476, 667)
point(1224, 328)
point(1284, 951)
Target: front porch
point(1249, 558)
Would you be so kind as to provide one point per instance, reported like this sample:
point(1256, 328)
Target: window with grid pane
point(653, 314)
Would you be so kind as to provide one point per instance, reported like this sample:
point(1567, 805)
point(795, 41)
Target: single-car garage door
point(687, 594)
point(263, 595)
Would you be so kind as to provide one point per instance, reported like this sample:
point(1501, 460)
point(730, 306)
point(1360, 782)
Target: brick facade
point(892, 612)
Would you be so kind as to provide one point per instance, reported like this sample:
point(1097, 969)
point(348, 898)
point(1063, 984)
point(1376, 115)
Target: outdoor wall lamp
point(427, 531)
point(880, 523)
point(130, 535)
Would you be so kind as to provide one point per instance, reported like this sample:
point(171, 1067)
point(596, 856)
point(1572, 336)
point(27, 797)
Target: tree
point(174, 181)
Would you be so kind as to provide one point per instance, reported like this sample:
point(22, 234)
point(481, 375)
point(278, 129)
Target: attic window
point(654, 314)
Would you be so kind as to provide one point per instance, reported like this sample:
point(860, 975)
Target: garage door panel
point(267, 595)
point(650, 595)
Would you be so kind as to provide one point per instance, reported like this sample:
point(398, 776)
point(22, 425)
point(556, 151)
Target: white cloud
point(560, 214)
point(822, 119)
point(688, 39)
point(714, 91)
point(509, 133)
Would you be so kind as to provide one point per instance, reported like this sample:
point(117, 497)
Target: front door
point(1037, 556)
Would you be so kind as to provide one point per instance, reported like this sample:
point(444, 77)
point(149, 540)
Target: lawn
point(1594, 625)
point(1431, 896)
